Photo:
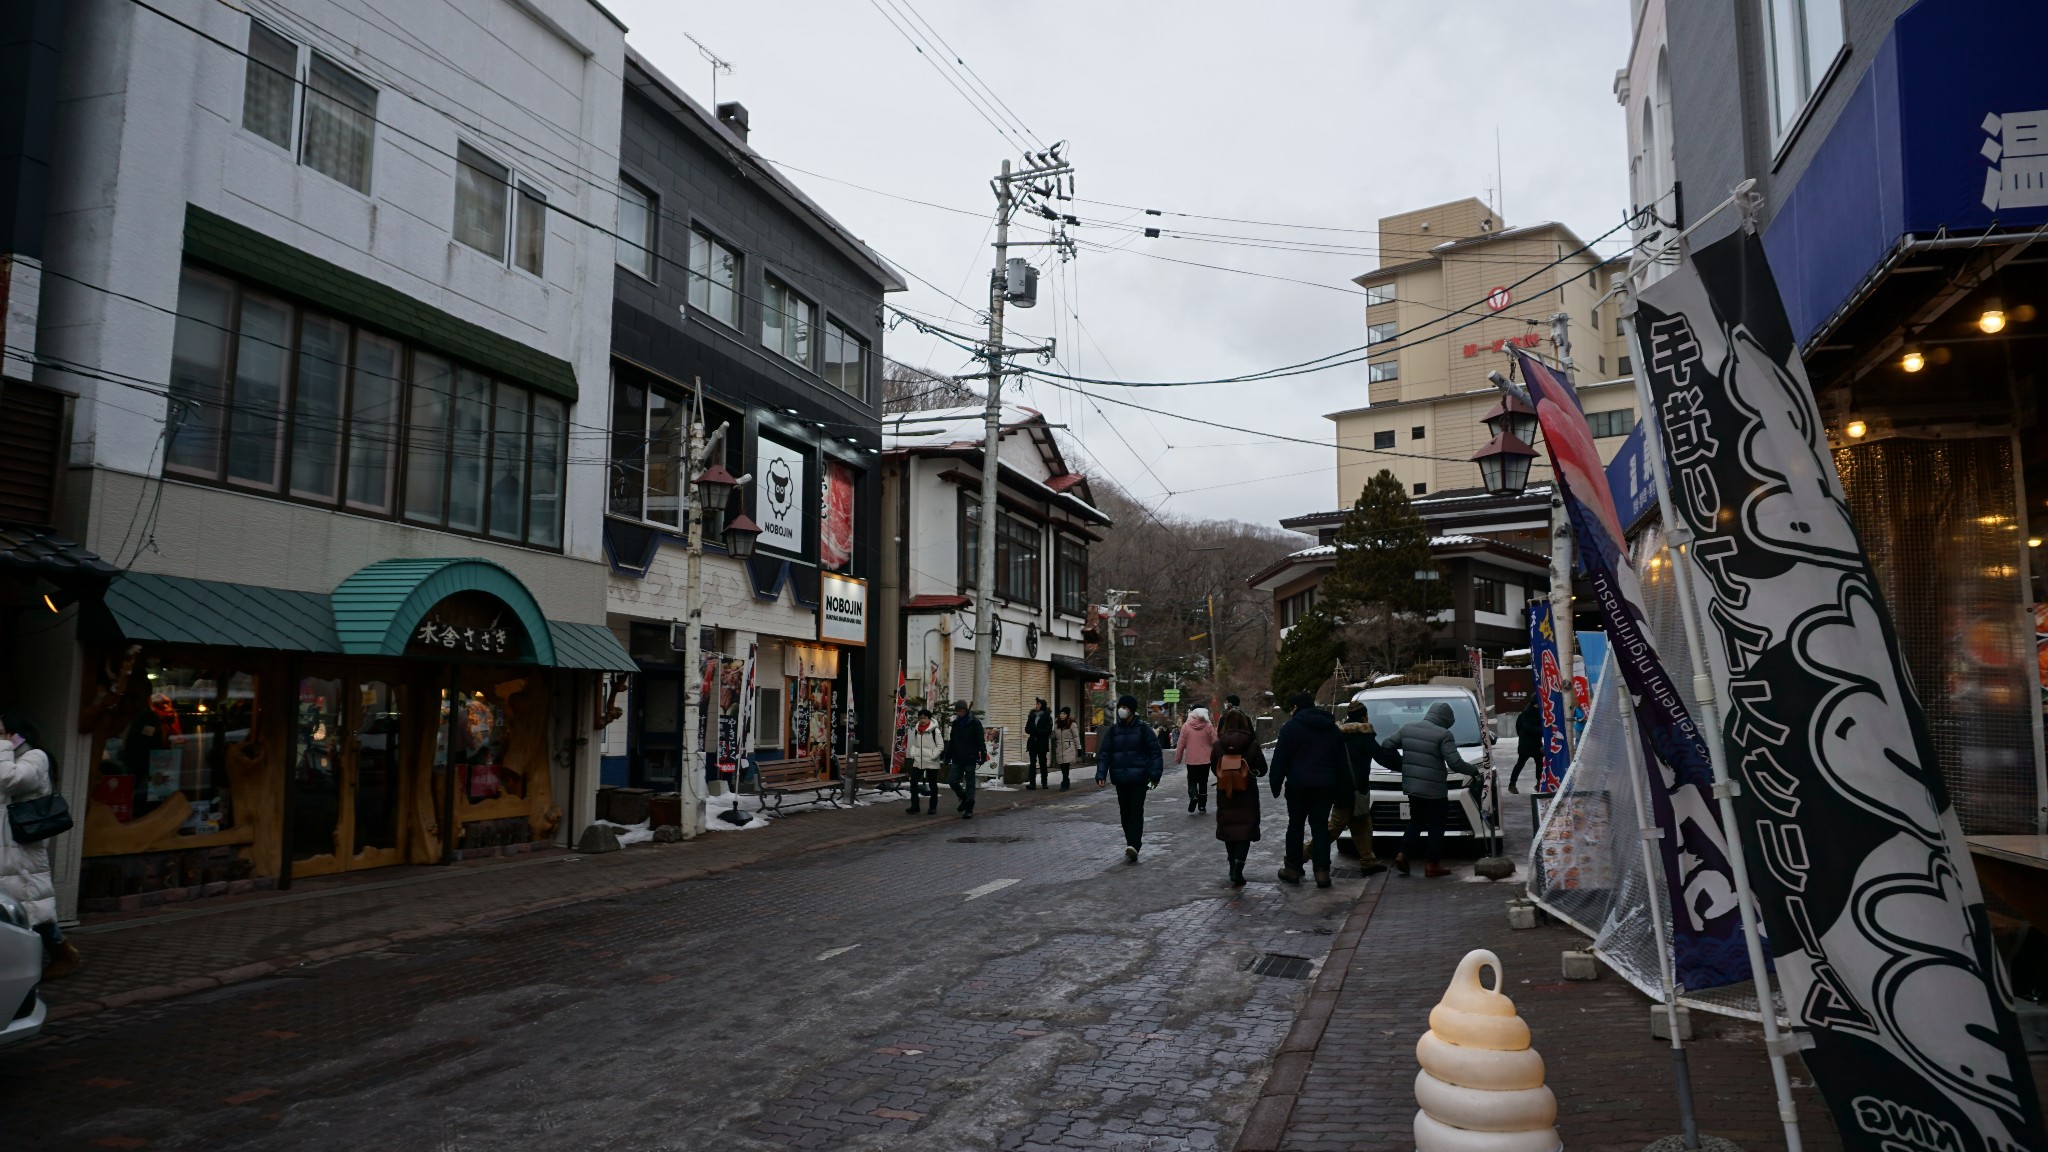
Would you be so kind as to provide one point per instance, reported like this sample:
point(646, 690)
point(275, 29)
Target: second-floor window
point(785, 321)
point(1489, 595)
point(1383, 371)
point(1383, 439)
point(1017, 555)
point(648, 426)
point(636, 228)
point(272, 397)
point(491, 219)
point(1801, 40)
point(714, 279)
point(1070, 576)
point(1295, 608)
point(1613, 422)
point(336, 122)
point(846, 361)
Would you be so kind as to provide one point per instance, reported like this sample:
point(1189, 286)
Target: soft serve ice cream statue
point(1481, 1085)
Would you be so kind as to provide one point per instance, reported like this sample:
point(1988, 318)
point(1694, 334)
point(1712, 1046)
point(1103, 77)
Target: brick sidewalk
point(133, 959)
point(1349, 1081)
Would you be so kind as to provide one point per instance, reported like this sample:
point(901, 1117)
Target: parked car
point(21, 970)
point(1392, 708)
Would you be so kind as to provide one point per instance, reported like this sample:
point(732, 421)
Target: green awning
point(361, 618)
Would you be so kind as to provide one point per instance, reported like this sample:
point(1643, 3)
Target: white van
point(1392, 708)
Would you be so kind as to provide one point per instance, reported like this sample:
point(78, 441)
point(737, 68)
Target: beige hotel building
point(1455, 266)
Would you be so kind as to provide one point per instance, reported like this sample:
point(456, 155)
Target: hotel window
point(1627, 366)
point(341, 123)
point(785, 321)
point(714, 278)
point(1801, 40)
point(636, 228)
point(273, 397)
point(1381, 333)
point(1383, 371)
point(1383, 439)
point(1379, 294)
point(1489, 596)
point(846, 361)
point(1613, 422)
point(1070, 573)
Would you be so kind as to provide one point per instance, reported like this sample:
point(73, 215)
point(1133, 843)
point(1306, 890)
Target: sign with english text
point(779, 495)
point(842, 610)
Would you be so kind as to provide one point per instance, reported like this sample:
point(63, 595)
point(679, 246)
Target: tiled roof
point(34, 552)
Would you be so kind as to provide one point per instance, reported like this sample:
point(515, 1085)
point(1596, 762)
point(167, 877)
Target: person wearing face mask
point(966, 751)
point(1128, 755)
point(27, 773)
point(926, 753)
point(1066, 746)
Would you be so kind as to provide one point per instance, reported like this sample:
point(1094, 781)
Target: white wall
point(1651, 170)
point(729, 601)
point(149, 119)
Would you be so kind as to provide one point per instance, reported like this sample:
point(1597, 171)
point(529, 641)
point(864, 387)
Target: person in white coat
point(1066, 746)
point(25, 774)
point(922, 760)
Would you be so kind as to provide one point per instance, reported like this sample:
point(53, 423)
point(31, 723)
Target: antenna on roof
point(1500, 183)
point(725, 66)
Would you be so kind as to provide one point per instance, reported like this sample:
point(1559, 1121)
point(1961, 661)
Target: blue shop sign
point(1946, 131)
point(1629, 478)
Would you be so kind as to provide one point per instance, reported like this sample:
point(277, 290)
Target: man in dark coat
point(966, 748)
point(1429, 757)
point(1312, 768)
point(1528, 740)
point(1362, 748)
point(1038, 742)
point(1127, 755)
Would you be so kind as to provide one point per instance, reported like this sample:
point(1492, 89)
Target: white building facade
point(330, 283)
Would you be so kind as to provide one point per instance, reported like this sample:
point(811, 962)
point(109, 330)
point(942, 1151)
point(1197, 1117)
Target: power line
point(1009, 138)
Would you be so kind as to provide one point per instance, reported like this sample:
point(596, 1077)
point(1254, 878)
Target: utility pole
point(705, 480)
point(1561, 543)
point(1039, 179)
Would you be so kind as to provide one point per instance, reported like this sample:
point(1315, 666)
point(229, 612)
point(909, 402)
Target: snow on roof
point(962, 427)
point(1317, 551)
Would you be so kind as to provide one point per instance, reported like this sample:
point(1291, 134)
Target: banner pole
point(1678, 536)
point(1653, 877)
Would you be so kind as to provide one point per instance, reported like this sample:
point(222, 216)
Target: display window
point(170, 754)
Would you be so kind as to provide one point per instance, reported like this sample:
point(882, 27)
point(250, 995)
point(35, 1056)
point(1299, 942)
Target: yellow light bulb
point(49, 603)
point(1992, 321)
point(1914, 360)
point(2033, 541)
point(1856, 429)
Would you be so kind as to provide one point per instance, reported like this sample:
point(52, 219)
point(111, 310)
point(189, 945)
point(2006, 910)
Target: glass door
point(377, 779)
point(317, 777)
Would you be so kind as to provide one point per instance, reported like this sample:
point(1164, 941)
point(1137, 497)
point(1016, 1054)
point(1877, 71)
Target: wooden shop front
point(242, 737)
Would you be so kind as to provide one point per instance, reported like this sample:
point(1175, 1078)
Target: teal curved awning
point(377, 609)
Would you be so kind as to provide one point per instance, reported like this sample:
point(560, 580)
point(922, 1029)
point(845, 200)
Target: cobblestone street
point(1002, 983)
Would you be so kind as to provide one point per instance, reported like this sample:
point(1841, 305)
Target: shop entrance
point(348, 773)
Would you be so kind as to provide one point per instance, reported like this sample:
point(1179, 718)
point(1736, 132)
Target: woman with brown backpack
point(1239, 764)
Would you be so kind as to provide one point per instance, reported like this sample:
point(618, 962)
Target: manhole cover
point(987, 839)
point(1282, 966)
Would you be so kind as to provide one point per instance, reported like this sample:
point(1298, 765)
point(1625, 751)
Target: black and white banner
point(1858, 863)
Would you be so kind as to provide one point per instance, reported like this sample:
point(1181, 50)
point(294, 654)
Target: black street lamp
point(740, 534)
point(1504, 462)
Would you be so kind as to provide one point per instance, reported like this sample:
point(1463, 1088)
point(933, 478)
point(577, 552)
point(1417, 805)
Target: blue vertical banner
point(1707, 946)
point(1550, 685)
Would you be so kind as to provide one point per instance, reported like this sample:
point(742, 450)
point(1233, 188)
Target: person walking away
point(1362, 749)
point(1240, 764)
point(1311, 767)
point(1038, 742)
point(966, 749)
point(1429, 754)
point(1066, 746)
point(1128, 755)
point(926, 754)
point(1195, 750)
point(1528, 740)
point(26, 773)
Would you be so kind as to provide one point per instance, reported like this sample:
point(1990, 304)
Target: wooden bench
point(784, 778)
point(871, 770)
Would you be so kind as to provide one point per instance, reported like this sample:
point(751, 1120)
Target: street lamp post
point(711, 488)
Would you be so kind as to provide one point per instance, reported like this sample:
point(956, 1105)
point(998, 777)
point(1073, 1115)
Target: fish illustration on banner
point(1707, 946)
point(1896, 993)
point(1549, 687)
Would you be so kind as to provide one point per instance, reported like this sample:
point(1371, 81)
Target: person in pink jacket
point(1196, 751)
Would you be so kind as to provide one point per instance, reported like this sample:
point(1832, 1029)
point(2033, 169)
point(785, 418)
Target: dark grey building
point(730, 279)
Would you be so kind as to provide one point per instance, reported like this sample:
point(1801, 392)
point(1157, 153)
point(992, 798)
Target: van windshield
point(1389, 714)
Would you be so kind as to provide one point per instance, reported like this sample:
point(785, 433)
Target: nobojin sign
point(1894, 988)
point(842, 609)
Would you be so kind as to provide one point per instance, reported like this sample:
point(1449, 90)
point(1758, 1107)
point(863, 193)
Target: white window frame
point(700, 235)
point(521, 196)
point(653, 236)
point(845, 335)
point(1379, 294)
point(1809, 72)
point(1381, 333)
point(774, 287)
point(315, 56)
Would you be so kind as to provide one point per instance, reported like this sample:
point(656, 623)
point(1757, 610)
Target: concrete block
point(1521, 914)
point(1581, 966)
point(1660, 1022)
point(597, 838)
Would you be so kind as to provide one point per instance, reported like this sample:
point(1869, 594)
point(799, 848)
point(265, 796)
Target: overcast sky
point(1310, 113)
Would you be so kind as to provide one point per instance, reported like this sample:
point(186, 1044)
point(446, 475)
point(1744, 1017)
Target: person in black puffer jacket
point(1528, 741)
point(1311, 767)
point(1127, 754)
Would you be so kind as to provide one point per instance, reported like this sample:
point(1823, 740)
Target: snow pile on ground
point(630, 834)
point(718, 806)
